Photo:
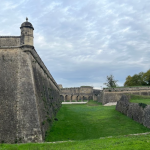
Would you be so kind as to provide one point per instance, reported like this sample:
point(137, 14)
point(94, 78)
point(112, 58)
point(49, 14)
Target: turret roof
point(27, 24)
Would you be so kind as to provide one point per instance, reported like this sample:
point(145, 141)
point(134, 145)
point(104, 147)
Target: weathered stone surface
point(123, 104)
point(8, 95)
point(138, 113)
point(29, 96)
point(128, 89)
point(100, 97)
point(146, 118)
point(79, 93)
point(135, 112)
point(144, 93)
point(114, 94)
point(11, 41)
point(111, 97)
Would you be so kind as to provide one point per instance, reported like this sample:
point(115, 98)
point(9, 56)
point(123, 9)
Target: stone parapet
point(110, 95)
point(134, 110)
point(29, 95)
point(9, 41)
point(121, 89)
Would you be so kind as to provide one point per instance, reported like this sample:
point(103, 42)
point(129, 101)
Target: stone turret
point(29, 95)
point(26, 34)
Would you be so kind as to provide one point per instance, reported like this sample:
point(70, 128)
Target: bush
point(143, 105)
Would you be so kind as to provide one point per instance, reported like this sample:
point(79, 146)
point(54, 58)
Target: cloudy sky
point(83, 41)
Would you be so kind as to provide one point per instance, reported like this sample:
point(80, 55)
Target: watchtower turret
point(27, 33)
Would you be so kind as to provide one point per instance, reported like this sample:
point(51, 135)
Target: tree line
point(141, 79)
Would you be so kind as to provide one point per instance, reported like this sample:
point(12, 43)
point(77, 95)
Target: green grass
point(90, 126)
point(93, 103)
point(91, 121)
point(128, 142)
point(140, 99)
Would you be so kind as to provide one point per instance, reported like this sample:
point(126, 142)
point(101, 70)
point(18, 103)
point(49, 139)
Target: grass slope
point(140, 99)
point(85, 124)
point(91, 121)
point(130, 142)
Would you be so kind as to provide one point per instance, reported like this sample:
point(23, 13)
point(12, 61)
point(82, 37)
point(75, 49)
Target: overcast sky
point(83, 41)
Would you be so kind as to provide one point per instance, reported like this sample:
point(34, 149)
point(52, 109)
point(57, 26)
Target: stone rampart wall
point(113, 96)
point(9, 41)
point(122, 89)
point(47, 95)
point(29, 96)
point(76, 94)
point(70, 90)
point(97, 94)
point(100, 97)
point(40, 62)
point(134, 111)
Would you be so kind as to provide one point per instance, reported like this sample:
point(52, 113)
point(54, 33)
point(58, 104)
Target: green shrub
point(43, 122)
point(143, 105)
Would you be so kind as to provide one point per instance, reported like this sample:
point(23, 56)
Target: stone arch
point(71, 98)
point(66, 98)
point(62, 98)
point(90, 98)
point(83, 98)
point(77, 98)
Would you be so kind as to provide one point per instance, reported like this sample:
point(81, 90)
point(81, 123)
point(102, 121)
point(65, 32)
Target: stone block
point(135, 112)
point(146, 118)
point(123, 104)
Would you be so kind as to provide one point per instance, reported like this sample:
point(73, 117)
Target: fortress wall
point(134, 111)
point(76, 94)
point(12, 41)
point(29, 129)
point(47, 94)
point(8, 95)
point(100, 97)
point(86, 89)
point(126, 89)
point(97, 94)
point(112, 96)
point(29, 97)
point(70, 90)
point(40, 62)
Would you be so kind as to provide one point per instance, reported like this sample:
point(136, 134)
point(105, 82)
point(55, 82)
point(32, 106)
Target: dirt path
point(111, 104)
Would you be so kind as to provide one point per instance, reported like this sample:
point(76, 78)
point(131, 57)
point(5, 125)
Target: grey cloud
point(81, 42)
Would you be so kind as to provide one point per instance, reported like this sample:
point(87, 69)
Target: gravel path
point(110, 104)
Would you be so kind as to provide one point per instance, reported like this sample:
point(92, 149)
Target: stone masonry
point(79, 93)
point(114, 94)
point(29, 96)
point(134, 110)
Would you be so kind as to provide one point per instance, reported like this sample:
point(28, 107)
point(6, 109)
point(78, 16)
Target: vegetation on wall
point(141, 79)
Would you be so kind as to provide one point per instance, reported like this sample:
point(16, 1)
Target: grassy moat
point(91, 126)
point(91, 121)
point(140, 99)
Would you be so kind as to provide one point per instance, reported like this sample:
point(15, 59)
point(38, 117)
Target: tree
point(128, 81)
point(140, 79)
point(111, 82)
point(146, 77)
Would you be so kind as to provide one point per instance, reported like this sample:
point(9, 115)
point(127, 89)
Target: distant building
point(79, 93)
